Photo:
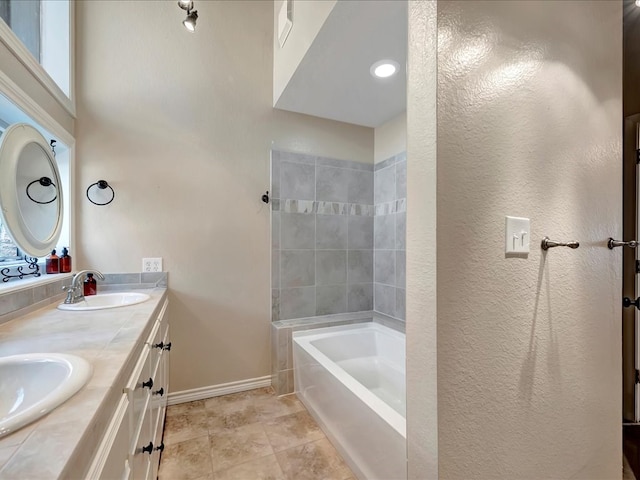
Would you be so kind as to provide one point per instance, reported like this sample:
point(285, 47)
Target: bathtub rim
point(304, 338)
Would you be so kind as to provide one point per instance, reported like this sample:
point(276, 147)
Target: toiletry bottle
point(90, 285)
point(52, 264)
point(65, 261)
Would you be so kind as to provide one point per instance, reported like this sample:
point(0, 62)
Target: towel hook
point(547, 244)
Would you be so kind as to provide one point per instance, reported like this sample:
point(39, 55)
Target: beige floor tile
point(224, 421)
point(292, 430)
point(263, 468)
point(238, 446)
point(188, 460)
point(269, 407)
point(232, 403)
point(313, 461)
point(189, 408)
point(178, 428)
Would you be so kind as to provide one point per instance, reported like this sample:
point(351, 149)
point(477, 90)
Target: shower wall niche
point(337, 236)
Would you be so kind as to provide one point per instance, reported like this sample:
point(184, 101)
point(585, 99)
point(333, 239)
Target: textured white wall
point(390, 138)
point(422, 400)
point(529, 124)
point(182, 125)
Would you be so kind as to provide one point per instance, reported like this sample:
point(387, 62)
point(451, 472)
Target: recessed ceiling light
point(637, 3)
point(385, 68)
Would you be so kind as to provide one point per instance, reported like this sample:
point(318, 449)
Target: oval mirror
point(30, 190)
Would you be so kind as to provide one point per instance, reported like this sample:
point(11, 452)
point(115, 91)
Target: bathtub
point(351, 378)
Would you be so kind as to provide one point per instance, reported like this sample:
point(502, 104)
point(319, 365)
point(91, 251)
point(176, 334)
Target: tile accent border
point(326, 208)
point(184, 396)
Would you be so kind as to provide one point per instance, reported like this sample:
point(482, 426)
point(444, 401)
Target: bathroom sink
point(106, 300)
point(33, 384)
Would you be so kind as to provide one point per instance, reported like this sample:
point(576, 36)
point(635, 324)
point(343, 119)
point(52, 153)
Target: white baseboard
point(201, 393)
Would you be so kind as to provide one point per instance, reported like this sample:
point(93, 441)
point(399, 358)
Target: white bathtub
point(351, 378)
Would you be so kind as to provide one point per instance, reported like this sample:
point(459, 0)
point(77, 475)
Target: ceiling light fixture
point(192, 15)
point(385, 68)
point(637, 3)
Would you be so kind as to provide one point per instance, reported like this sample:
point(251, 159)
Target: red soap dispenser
point(90, 285)
point(52, 264)
point(65, 261)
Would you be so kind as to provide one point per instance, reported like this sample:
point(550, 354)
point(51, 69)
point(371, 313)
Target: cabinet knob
point(148, 384)
point(159, 345)
point(160, 447)
point(167, 346)
point(159, 392)
point(148, 449)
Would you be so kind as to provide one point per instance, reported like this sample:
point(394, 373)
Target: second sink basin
point(106, 300)
point(31, 385)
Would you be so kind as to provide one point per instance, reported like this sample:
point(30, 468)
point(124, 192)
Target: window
point(42, 31)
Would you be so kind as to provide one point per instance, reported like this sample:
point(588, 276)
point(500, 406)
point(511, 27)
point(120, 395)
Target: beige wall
point(390, 138)
point(529, 124)
point(181, 125)
point(422, 389)
point(308, 18)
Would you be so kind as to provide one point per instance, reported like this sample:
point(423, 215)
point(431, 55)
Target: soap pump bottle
point(52, 264)
point(90, 285)
point(65, 261)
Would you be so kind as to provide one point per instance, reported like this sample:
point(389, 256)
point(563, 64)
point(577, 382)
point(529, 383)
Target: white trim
point(201, 393)
point(18, 96)
point(25, 57)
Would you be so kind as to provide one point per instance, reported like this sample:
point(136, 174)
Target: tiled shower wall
point(390, 196)
point(322, 236)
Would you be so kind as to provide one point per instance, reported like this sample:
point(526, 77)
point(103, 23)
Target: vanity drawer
point(143, 450)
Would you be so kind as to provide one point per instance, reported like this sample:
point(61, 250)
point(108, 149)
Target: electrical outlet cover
point(152, 264)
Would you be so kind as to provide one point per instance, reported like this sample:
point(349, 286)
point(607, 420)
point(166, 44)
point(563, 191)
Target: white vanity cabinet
point(132, 443)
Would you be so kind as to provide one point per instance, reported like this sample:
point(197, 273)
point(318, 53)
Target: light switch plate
point(517, 235)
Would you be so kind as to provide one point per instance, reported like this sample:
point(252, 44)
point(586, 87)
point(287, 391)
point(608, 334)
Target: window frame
point(22, 54)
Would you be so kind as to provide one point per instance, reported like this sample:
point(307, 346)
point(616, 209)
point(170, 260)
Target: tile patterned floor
point(250, 435)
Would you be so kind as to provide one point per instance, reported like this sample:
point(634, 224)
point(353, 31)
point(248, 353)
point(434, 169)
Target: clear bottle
point(90, 285)
point(65, 261)
point(52, 264)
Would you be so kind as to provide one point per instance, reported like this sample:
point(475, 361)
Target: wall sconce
point(192, 15)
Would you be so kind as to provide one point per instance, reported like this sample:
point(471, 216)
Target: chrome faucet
point(75, 291)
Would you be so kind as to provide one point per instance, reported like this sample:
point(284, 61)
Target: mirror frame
point(12, 143)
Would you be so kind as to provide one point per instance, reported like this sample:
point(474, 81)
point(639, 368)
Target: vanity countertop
point(60, 444)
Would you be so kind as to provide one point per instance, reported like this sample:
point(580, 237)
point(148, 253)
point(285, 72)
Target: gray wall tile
point(384, 189)
point(400, 303)
point(296, 157)
point(297, 268)
point(385, 163)
point(401, 268)
point(401, 230)
point(275, 268)
point(120, 279)
point(360, 188)
point(331, 299)
point(385, 267)
point(360, 266)
point(360, 297)
point(401, 180)
point(298, 181)
point(332, 162)
point(275, 229)
point(360, 232)
point(331, 267)
point(297, 230)
point(153, 277)
point(385, 231)
point(331, 231)
point(332, 184)
point(297, 302)
point(275, 304)
point(275, 176)
point(384, 299)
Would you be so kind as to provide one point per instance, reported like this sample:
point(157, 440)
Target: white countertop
point(60, 444)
